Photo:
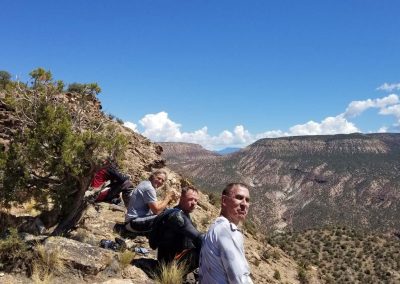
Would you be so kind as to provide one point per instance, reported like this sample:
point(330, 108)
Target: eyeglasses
point(240, 198)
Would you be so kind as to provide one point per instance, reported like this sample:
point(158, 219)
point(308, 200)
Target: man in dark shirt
point(180, 240)
point(118, 183)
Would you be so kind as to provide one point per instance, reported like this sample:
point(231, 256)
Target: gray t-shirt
point(143, 194)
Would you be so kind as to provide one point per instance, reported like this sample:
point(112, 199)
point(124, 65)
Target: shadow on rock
point(148, 265)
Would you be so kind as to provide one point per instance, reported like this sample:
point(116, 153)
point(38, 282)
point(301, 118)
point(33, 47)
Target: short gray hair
point(228, 188)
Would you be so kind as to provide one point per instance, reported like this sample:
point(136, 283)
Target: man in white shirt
point(222, 258)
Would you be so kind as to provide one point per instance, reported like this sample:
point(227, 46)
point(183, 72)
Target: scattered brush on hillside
point(344, 255)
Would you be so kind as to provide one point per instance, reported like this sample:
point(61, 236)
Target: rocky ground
point(86, 262)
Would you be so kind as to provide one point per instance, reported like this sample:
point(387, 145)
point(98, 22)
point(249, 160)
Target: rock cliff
point(311, 181)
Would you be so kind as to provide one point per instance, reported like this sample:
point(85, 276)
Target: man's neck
point(229, 219)
point(179, 207)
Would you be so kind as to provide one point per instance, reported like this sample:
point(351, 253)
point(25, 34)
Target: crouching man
point(174, 234)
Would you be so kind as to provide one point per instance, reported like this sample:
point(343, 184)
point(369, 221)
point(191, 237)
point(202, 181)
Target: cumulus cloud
point(131, 125)
point(330, 125)
point(391, 110)
point(356, 108)
point(389, 87)
point(160, 128)
point(383, 129)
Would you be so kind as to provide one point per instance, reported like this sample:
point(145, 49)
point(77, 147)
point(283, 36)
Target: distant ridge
point(305, 182)
point(228, 150)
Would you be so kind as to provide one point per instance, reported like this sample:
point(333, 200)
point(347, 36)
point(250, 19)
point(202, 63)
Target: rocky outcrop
point(70, 251)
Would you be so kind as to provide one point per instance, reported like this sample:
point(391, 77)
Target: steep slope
point(310, 181)
point(79, 250)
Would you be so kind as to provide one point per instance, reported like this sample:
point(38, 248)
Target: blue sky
point(220, 72)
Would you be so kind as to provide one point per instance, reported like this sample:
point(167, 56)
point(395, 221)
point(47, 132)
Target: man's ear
point(223, 200)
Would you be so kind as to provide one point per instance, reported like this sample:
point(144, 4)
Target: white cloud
point(356, 108)
point(383, 129)
point(131, 125)
point(330, 125)
point(391, 110)
point(160, 128)
point(389, 87)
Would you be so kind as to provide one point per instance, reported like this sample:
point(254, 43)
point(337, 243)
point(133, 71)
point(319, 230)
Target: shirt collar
point(232, 226)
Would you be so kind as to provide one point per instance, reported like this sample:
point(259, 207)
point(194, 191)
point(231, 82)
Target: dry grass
point(125, 258)
point(41, 274)
point(30, 208)
point(171, 273)
point(50, 259)
point(46, 265)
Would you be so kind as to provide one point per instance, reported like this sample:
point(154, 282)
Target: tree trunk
point(77, 208)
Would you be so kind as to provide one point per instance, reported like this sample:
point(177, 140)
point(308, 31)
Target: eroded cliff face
point(311, 181)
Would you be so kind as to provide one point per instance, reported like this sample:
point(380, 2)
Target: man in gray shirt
point(222, 258)
point(143, 205)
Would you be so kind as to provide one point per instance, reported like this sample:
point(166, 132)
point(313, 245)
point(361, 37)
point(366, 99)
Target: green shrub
point(277, 275)
point(13, 251)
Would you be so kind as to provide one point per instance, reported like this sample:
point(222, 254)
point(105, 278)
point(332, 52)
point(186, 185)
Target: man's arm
point(184, 225)
point(158, 206)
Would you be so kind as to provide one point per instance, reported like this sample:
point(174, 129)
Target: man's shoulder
point(145, 185)
point(221, 225)
point(176, 217)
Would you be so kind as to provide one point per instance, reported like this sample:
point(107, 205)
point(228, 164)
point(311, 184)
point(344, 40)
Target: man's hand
point(172, 195)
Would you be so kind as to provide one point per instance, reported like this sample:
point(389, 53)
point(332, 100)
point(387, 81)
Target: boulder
point(81, 256)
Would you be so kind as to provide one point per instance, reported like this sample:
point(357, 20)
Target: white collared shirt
point(222, 258)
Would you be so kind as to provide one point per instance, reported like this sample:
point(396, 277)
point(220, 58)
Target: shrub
point(277, 275)
point(250, 227)
point(302, 275)
point(13, 251)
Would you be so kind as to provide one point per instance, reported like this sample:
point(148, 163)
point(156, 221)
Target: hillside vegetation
point(344, 255)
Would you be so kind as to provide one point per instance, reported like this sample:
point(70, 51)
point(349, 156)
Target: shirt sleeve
point(233, 258)
point(149, 195)
point(185, 226)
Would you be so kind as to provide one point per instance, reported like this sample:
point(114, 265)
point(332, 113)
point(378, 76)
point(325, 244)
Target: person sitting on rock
point(143, 204)
point(111, 182)
point(174, 234)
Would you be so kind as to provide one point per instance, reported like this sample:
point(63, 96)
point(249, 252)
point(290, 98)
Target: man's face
point(158, 180)
point(189, 201)
point(235, 206)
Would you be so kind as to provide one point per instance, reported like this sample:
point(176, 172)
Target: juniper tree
point(56, 149)
point(5, 79)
